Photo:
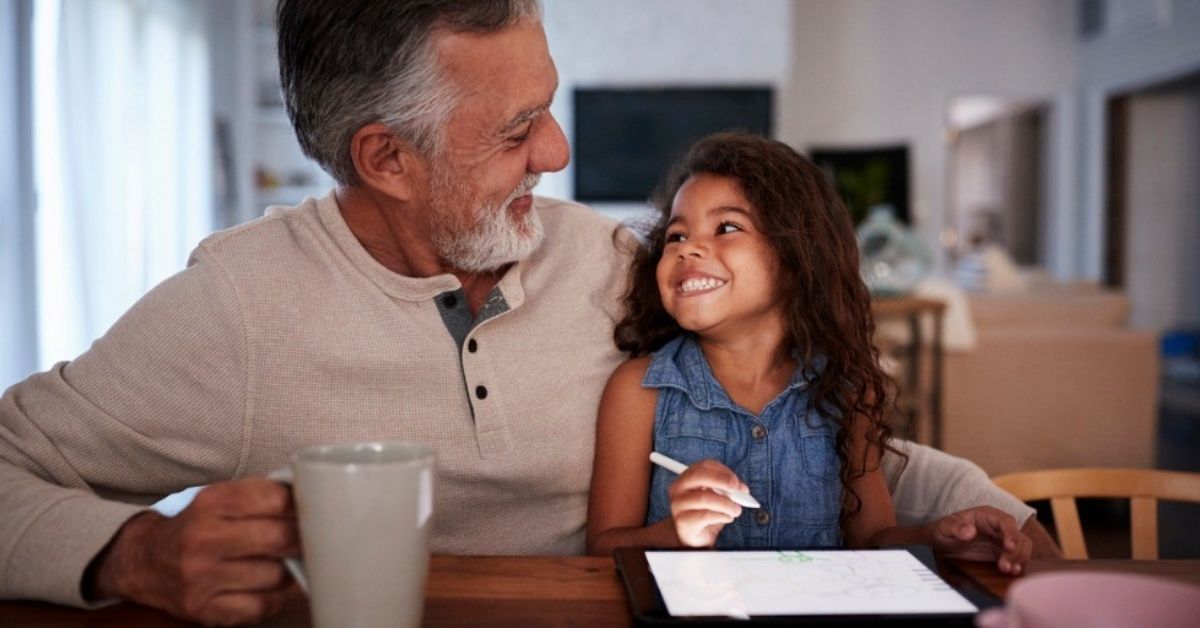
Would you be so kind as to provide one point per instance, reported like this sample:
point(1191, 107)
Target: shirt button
point(472, 345)
point(762, 517)
point(758, 432)
point(450, 301)
point(481, 392)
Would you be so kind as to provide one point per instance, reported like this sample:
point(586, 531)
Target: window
point(122, 158)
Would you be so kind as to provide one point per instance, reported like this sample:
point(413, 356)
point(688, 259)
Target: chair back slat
point(1144, 527)
point(1143, 487)
point(1070, 532)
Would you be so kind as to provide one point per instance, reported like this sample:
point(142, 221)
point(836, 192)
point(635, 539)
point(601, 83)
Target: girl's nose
point(692, 248)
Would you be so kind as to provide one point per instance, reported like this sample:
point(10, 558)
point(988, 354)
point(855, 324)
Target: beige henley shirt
point(284, 333)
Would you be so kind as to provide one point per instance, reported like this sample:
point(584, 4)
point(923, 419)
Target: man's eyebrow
point(523, 117)
point(529, 114)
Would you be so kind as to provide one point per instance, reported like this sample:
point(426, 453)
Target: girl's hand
point(986, 534)
point(698, 512)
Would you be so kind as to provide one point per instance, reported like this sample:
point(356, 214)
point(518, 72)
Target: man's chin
point(492, 257)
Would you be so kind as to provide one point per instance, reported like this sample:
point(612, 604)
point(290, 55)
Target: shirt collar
point(681, 364)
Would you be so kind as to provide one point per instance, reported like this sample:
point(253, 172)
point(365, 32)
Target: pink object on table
point(1090, 599)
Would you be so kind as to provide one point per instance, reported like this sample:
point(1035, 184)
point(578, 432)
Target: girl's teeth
point(706, 283)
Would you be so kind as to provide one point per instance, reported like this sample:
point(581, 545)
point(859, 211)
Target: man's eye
point(675, 237)
point(728, 227)
point(521, 134)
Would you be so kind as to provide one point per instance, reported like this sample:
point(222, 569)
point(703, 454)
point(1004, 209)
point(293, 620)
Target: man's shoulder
point(574, 228)
point(571, 216)
point(282, 232)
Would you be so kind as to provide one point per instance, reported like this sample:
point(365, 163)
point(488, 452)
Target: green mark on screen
point(794, 557)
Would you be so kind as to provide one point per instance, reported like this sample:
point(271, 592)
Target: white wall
point(663, 43)
point(1143, 43)
point(869, 72)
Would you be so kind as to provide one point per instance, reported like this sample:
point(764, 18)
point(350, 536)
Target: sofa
point(1056, 378)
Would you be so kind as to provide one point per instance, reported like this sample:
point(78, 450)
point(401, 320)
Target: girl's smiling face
point(717, 273)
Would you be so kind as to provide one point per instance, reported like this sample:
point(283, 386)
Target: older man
point(430, 297)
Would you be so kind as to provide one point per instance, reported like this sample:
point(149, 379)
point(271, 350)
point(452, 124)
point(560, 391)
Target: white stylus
point(740, 498)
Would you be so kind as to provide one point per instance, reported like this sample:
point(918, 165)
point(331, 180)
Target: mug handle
point(295, 566)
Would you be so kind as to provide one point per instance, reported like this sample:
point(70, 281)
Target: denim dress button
point(762, 517)
point(758, 432)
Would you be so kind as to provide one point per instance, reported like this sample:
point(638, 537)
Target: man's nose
point(550, 151)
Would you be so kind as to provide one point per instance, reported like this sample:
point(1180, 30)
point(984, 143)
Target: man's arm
point(934, 485)
point(157, 404)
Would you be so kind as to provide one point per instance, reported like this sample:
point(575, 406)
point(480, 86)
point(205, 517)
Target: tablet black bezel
point(649, 609)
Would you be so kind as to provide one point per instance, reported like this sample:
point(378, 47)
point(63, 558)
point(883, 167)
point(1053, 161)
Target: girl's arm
point(872, 524)
point(621, 470)
point(621, 477)
point(981, 533)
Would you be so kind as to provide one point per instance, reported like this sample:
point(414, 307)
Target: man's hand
point(699, 512)
point(215, 563)
point(983, 533)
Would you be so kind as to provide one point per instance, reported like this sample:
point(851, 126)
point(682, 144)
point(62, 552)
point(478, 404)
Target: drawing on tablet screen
point(819, 582)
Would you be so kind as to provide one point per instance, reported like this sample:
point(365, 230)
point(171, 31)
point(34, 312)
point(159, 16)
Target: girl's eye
point(728, 227)
point(675, 236)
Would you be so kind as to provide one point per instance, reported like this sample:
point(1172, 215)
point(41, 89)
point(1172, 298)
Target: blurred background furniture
point(1056, 379)
point(1143, 487)
point(920, 394)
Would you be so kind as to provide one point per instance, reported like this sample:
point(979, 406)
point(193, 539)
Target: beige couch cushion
point(1063, 307)
point(1035, 398)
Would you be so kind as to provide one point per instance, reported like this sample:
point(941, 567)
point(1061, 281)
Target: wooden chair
point(1143, 487)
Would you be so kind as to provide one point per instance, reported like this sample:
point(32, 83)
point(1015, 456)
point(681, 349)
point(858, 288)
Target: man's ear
point(387, 163)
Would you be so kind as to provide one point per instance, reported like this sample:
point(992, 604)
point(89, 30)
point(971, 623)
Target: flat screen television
point(625, 139)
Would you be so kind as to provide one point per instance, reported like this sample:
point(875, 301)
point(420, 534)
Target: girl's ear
point(388, 163)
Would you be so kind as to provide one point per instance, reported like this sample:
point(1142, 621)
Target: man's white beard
point(495, 239)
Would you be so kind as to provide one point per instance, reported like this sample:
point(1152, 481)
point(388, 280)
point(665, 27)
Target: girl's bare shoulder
point(625, 389)
point(631, 372)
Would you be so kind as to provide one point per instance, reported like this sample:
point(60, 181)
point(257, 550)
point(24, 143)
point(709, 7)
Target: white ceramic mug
point(365, 511)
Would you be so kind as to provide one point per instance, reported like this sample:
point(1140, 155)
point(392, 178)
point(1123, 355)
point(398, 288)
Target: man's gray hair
point(344, 64)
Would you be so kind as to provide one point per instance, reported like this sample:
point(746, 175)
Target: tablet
point(890, 587)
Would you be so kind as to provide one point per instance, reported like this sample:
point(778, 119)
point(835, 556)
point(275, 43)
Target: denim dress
point(787, 455)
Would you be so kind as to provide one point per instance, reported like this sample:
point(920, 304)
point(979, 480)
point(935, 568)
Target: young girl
point(750, 331)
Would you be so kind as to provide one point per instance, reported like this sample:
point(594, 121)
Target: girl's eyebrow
point(720, 209)
point(728, 209)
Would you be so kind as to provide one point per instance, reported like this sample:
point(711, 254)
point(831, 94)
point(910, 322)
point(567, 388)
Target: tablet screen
point(819, 582)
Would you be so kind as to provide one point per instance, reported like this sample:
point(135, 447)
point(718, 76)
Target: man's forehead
point(508, 72)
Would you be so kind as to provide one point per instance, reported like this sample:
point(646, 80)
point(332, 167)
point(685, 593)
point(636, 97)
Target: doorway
point(996, 192)
point(1152, 209)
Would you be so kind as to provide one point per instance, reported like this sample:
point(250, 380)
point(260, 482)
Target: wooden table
point(527, 591)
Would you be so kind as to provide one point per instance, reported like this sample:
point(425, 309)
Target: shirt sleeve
point(933, 484)
point(157, 404)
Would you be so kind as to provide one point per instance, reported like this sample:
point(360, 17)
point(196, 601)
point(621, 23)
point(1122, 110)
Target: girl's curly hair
point(827, 305)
